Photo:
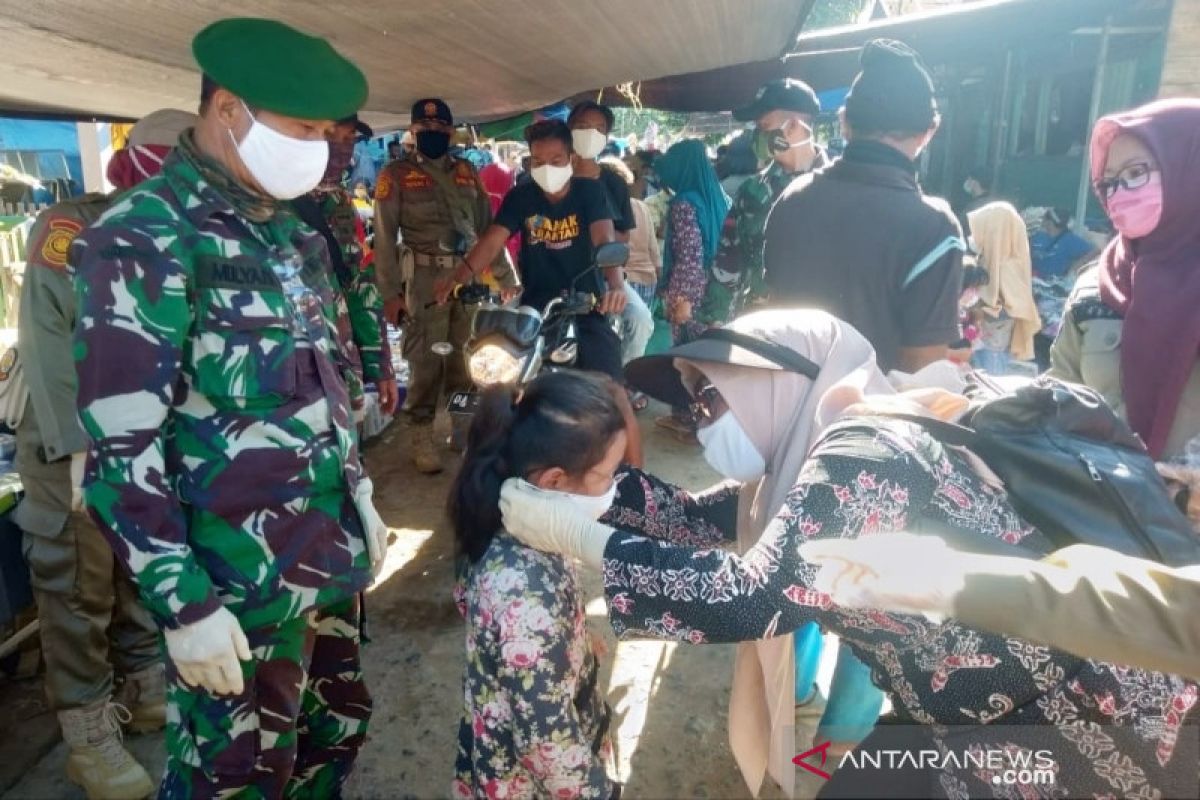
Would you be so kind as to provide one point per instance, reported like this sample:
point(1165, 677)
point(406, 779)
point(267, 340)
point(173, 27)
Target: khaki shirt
point(49, 432)
point(1094, 603)
point(411, 204)
point(1088, 351)
point(46, 328)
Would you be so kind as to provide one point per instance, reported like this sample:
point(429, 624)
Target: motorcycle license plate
point(463, 403)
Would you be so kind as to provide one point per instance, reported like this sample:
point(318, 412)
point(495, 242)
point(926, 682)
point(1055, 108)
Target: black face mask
point(433, 144)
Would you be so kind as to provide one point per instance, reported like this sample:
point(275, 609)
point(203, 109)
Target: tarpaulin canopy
point(828, 59)
point(489, 59)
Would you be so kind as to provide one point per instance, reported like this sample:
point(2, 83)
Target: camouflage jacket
point(212, 388)
point(741, 250)
point(360, 305)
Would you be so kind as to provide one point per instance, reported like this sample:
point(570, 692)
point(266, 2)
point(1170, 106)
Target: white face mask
point(591, 506)
point(588, 142)
point(729, 451)
point(285, 167)
point(551, 178)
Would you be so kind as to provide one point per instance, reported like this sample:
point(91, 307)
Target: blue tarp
point(833, 99)
point(47, 136)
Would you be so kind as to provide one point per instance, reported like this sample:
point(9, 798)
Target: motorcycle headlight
point(492, 364)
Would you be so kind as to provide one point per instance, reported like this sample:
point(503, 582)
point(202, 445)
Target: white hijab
point(784, 414)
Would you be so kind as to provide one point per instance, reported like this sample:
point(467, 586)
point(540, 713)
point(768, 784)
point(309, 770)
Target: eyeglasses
point(1135, 176)
point(706, 403)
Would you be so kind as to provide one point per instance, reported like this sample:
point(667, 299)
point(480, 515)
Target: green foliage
point(632, 120)
point(831, 13)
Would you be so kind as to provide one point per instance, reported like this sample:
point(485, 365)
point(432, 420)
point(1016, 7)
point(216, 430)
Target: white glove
point(550, 522)
point(899, 572)
point(78, 466)
point(374, 527)
point(207, 652)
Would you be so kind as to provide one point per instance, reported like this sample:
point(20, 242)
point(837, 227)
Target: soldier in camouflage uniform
point(329, 209)
point(223, 466)
point(89, 614)
point(439, 207)
point(783, 113)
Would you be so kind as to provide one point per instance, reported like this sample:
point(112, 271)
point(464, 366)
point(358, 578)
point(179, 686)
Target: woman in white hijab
point(781, 394)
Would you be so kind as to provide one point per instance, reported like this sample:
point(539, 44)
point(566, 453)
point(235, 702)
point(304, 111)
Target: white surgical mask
point(728, 450)
point(285, 167)
point(591, 506)
point(588, 142)
point(551, 178)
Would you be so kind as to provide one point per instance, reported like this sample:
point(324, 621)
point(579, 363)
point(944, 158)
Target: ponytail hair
point(562, 419)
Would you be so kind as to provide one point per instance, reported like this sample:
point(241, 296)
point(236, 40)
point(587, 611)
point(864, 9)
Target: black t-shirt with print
point(556, 239)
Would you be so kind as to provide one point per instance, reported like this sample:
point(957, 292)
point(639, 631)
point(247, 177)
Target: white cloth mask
point(551, 178)
point(591, 506)
point(588, 142)
point(728, 450)
point(285, 167)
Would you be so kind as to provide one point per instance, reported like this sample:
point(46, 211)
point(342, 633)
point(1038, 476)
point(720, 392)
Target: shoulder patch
point(383, 189)
point(56, 241)
point(464, 174)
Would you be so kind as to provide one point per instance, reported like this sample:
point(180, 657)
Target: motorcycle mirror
point(612, 254)
point(442, 348)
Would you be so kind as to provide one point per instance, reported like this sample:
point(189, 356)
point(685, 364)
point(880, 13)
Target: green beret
point(276, 67)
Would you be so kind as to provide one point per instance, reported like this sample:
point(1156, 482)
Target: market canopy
point(120, 59)
point(828, 59)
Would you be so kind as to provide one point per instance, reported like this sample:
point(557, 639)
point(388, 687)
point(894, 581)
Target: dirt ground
point(670, 700)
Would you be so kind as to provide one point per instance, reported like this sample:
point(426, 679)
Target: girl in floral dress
point(534, 722)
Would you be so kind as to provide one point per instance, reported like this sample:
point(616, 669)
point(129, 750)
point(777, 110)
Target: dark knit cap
point(893, 91)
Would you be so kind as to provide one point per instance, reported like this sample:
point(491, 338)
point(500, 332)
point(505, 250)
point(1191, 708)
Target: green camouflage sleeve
point(134, 309)
point(366, 314)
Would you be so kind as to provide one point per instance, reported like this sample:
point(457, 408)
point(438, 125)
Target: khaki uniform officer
point(437, 205)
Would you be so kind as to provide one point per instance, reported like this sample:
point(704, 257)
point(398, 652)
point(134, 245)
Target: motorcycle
point(512, 345)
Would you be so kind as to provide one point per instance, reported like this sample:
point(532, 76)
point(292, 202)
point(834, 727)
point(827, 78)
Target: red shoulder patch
point(464, 174)
point(383, 189)
point(51, 250)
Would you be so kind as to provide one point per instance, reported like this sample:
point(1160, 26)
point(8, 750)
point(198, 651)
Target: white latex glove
point(78, 465)
point(899, 572)
point(548, 521)
point(207, 653)
point(374, 527)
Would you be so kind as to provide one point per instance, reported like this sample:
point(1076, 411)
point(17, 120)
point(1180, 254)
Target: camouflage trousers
point(429, 372)
point(296, 729)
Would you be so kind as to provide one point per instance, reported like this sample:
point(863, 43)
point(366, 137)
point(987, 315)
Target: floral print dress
point(1113, 731)
point(534, 721)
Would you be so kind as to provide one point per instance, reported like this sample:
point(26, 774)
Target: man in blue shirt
point(1056, 249)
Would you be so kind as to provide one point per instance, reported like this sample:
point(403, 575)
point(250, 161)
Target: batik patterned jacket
point(212, 388)
point(1113, 731)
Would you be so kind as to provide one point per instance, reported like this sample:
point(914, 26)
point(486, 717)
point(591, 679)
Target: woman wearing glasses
point(1132, 331)
point(794, 410)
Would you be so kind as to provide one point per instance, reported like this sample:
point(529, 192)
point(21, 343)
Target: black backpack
point(1073, 469)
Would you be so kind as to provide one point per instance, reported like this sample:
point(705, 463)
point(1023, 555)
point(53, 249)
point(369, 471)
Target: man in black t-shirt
point(590, 125)
point(561, 219)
